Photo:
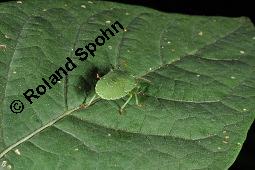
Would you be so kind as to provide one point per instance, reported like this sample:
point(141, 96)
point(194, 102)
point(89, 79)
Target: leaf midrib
point(37, 131)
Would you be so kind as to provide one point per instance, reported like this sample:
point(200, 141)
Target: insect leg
point(136, 100)
point(124, 105)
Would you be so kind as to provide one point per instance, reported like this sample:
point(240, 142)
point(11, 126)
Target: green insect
point(118, 84)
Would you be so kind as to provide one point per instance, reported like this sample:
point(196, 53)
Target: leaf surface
point(195, 113)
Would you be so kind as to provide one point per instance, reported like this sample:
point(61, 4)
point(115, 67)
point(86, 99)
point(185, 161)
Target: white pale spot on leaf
point(19, 2)
point(200, 33)
point(242, 52)
point(83, 6)
point(108, 22)
point(17, 151)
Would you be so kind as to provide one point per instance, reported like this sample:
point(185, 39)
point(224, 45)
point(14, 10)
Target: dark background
point(234, 8)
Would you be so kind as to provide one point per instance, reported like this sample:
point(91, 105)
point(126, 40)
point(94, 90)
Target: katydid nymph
point(117, 84)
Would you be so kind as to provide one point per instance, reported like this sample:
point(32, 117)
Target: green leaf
point(195, 113)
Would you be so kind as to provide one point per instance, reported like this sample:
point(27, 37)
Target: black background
point(246, 158)
point(234, 8)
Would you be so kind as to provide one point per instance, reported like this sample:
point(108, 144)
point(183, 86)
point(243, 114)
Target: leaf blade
point(182, 126)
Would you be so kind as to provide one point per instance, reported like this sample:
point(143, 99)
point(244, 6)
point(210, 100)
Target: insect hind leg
point(124, 105)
